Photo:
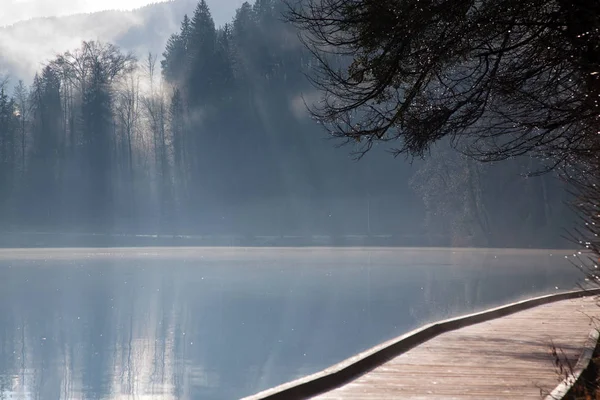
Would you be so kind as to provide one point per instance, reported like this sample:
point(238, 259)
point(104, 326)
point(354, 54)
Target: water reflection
point(224, 325)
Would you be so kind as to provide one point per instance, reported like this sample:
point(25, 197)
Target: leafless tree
point(501, 78)
point(127, 111)
point(103, 60)
point(585, 184)
point(157, 111)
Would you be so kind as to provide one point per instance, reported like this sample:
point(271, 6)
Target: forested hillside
point(213, 138)
point(27, 44)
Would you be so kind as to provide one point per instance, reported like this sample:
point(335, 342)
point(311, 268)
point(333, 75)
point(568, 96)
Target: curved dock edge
point(582, 363)
point(353, 367)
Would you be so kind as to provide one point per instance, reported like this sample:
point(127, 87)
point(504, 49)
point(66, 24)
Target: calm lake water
point(227, 323)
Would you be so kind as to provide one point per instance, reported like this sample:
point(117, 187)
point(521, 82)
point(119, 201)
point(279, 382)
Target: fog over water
point(226, 323)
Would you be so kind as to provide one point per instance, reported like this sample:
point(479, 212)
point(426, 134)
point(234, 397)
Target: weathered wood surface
point(506, 358)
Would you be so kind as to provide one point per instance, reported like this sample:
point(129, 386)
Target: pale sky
point(12, 11)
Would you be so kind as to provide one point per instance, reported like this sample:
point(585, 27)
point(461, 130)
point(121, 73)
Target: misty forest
point(212, 137)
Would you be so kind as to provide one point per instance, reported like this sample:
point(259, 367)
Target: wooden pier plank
point(505, 358)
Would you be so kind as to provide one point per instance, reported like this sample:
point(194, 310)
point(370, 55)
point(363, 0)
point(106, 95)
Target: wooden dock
point(509, 357)
point(506, 358)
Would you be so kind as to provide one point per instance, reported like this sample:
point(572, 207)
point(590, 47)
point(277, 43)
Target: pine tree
point(224, 78)
point(8, 130)
point(47, 132)
point(201, 55)
point(175, 63)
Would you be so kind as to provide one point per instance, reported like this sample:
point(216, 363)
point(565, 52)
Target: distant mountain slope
point(26, 45)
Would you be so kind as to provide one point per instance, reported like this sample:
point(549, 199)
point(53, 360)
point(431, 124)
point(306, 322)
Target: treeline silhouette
point(213, 138)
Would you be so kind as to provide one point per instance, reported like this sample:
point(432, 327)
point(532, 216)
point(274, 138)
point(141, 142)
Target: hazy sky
point(16, 10)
